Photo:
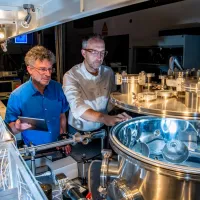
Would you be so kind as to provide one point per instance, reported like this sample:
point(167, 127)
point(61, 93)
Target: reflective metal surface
point(153, 176)
point(192, 94)
point(175, 152)
point(172, 107)
point(129, 84)
point(166, 93)
point(121, 191)
point(171, 96)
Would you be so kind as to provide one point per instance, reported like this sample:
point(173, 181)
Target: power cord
point(87, 159)
point(48, 173)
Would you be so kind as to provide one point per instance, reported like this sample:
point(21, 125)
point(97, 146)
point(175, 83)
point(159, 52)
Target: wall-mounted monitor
point(21, 39)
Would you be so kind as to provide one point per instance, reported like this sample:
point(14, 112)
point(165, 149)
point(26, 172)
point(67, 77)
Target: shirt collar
point(90, 76)
point(34, 89)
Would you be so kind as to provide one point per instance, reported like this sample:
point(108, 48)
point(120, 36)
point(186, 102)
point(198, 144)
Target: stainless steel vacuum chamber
point(158, 158)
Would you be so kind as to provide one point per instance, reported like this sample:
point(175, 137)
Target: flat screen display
point(21, 39)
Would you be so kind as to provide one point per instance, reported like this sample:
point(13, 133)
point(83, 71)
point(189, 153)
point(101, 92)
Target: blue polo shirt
point(27, 101)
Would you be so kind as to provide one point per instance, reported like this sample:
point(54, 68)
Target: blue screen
point(21, 39)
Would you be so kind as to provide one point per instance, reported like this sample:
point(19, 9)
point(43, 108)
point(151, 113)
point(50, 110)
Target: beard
point(40, 82)
point(95, 65)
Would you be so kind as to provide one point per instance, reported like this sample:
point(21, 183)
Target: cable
point(5, 175)
point(91, 158)
point(2, 168)
point(89, 173)
point(59, 194)
point(46, 157)
point(48, 173)
point(23, 186)
point(19, 186)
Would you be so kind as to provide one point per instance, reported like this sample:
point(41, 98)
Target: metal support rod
point(81, 5)
point(83, 170)
point(102, 143)
point(46, 146)
point(76, 138)
point(33, 165)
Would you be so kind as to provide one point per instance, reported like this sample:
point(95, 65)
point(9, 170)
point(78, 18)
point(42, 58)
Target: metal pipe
point(83, 170)
point(74, 194)
point(173, 60)
point(72, 191)
point(46, 146)
point(54, 144)
point(33, 165)
point(76, 138)
point(178, 64)
point(102, 143)
point(82, 8)
point(100, 134)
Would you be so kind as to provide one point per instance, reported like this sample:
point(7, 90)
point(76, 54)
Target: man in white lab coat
point(87, 87)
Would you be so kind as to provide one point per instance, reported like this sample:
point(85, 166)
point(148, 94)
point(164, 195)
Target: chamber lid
point(170, 107)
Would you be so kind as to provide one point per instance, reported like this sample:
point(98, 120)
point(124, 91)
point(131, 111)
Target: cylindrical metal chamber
point(154, 171)
point(192, 95)
point(130, 84)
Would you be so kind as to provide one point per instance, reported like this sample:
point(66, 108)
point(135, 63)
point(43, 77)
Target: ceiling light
point(25, 23)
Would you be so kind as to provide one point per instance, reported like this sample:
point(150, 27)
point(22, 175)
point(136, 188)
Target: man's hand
point(67, 149)
point(111, 120)
point(22, 126)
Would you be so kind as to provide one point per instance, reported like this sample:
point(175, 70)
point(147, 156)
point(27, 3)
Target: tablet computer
point(36, 123)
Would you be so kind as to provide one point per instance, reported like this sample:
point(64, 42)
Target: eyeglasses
point(96, 53)
point(42, 70)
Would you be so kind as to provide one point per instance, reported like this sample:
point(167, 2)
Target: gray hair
point(39, 53)
point(90, 37)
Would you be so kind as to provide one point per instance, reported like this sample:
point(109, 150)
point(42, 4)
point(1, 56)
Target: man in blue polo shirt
point(40, 97)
